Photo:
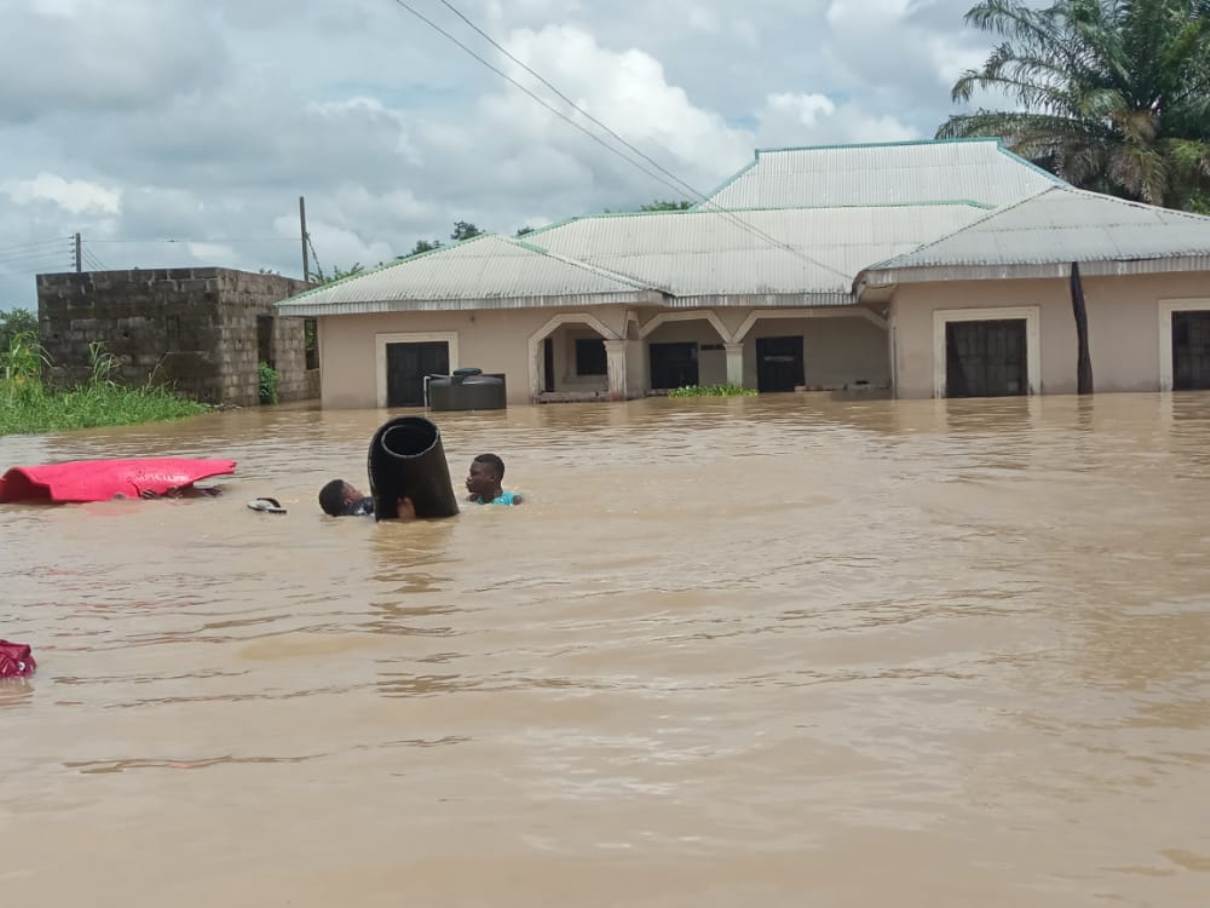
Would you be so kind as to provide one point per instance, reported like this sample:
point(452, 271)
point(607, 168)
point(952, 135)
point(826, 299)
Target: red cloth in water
point(16, 659)
point(101, 480)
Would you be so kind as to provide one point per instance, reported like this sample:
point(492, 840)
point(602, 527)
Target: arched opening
point(570, 359)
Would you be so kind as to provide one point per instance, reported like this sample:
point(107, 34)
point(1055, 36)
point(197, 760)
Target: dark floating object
point(467, 389)
point(407, 460)
point(267, 505)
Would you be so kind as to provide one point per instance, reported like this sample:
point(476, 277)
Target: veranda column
point(615, 360)
point(735, 364)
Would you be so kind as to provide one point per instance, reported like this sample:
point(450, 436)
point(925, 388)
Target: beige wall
point(1123, 326)
point(492, 340)
point(837, 351)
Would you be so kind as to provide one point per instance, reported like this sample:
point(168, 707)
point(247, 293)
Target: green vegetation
point(26, 405)
point(14, 322)
point(268, 382)
point(666, 205)
point(712, 391)
point(1112, 95)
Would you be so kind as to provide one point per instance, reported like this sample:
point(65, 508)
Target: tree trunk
point(1083, 357)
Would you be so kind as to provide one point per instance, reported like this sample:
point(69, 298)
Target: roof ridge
point(619, 276)
point(896, 144)
point(991, 215)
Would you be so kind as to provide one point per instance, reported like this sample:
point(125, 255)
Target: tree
point(425, 246)
point(1113, 95)
point(464, 230)
point(14, 322)
point(523, 231)
point(665, 205)
point(339, 274)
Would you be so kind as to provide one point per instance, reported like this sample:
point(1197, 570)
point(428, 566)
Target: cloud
point(814, 119)
point(75, 196)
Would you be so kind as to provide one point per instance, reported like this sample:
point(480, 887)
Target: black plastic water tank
point(407, 460)
point(467, 389)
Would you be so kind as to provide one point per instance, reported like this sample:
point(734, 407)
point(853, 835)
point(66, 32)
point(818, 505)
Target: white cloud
point(814, 119)
point(629, 90)
point(75, 196)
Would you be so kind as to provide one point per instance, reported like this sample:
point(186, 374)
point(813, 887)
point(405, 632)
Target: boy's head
point(336, 496)
point(487, 472)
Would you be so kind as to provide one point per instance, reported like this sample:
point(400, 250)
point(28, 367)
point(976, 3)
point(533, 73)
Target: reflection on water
point(936, 653)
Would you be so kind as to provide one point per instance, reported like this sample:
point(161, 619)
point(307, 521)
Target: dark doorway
point(264, 340)
point(673, 366)
point(1190, 351)
point(407, 366)
point(986, 358)
point(591, 358)
point(779, 364)
point(548, 364)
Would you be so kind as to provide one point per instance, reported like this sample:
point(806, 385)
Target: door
point(779, 364)
point(1190, 351)
point(407, 365)
point(673, 366)
point(548, 364)
point(986, 358)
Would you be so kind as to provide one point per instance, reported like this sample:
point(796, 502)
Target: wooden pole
point(1083, 357)
point(302, 223)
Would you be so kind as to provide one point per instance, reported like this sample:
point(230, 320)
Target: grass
point(27, 405)
point(712, 391)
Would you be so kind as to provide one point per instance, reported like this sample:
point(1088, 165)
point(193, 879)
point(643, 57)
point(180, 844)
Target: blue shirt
point(502, 498)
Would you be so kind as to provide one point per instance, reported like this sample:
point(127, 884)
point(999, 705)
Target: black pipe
point(407, 460)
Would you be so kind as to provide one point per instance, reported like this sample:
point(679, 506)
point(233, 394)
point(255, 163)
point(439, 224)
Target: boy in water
point(340, 499)
point(483, 482)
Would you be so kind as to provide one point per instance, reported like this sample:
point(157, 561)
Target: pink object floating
point(16, 660)
point(101, 480)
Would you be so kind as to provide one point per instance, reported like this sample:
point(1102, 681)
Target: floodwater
point(789, 651)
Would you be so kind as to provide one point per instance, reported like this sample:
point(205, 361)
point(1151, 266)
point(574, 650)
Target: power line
point(679, 186)
point(183, 240)
point(34, 245)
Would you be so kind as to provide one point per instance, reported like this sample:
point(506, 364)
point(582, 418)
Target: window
point(311, 342)
point(590, 357)
point(264, 340)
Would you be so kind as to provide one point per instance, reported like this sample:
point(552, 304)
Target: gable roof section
point(907, 173)
point(1042, 235)
point(487, 272)
point(812, 254)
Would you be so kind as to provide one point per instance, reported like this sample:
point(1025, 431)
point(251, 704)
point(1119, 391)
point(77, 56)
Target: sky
point(136, 122)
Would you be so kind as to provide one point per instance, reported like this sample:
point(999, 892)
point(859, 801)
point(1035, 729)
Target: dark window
point(986, 358)
point(1190, 351)
point(706, 347)
point(311, 342)
point(548, 364)
point(673, 366)
point(264, 340)
point(590, 357)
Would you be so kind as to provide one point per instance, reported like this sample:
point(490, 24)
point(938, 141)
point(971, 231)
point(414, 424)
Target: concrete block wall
point(193, 328)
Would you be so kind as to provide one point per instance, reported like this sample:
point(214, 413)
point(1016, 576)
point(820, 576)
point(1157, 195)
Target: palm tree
point(1111, 95)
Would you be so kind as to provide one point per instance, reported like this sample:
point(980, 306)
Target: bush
point(269, 380)
point(27, 406)
point(712, 391)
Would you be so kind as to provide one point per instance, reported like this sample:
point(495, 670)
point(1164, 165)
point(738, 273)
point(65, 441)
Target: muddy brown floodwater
point(787, 651)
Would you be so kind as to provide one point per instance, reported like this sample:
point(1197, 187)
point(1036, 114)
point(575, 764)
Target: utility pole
point(78, 268)
point(302, 223)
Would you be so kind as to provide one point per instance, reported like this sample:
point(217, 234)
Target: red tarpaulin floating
point(101, 480)
point(16, 660)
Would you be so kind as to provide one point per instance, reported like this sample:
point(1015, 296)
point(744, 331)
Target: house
point(202, 330)
point(922, 269)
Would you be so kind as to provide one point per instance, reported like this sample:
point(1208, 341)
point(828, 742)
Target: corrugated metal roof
point(486, 272)
point(980, 171)
point(1054, 228)
point(707, 254)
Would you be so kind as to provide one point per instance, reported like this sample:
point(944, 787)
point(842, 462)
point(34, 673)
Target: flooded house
point(917, 269)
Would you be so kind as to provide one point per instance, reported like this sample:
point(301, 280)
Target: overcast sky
point(204, 120)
